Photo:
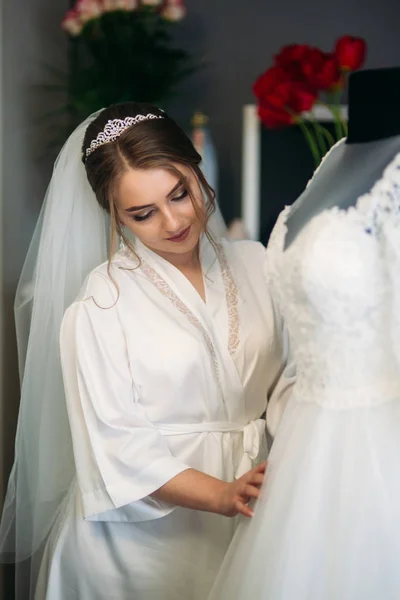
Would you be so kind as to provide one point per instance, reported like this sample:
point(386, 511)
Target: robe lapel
point(224, 319)
point(216, 319)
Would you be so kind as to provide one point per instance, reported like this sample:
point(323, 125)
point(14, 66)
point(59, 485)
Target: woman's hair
point(148, 144)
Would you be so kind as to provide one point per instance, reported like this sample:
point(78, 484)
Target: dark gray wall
point(31, 41)
point(31, 38)
point(239, 39)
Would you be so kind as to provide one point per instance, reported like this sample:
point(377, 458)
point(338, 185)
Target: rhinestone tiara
point(114, 128)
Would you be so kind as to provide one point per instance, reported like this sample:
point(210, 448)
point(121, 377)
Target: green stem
point(328, 136)
point(318, 134)
point(335, 107)
point(340, 122)
point(311, 142)
point(324, 131)
point(336, 121)
point(344, 126)
point(338, 96)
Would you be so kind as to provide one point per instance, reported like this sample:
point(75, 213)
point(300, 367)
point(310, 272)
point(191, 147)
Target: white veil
point(70, 239)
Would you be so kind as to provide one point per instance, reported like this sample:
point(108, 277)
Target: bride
point(126, 480)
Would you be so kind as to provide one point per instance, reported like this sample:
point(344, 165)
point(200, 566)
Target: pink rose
point(151, 2)
point(131, 4)
point(174, 10)
point(125, 4)
point(88, 10)
point(109, 5)
point(72, 23)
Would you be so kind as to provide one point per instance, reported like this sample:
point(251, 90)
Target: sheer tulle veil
point(70, 239)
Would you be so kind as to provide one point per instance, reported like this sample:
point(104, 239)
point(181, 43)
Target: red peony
point(268, 81)
point(281, 98)
point(273, 118)
point(321, 70)
point(291, 58)
point(302, 98)
point(311, 66)
point(350, 52)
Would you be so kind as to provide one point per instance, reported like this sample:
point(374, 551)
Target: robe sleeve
point(120, 456)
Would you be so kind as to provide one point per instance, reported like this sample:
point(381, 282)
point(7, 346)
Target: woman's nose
point(171, 222)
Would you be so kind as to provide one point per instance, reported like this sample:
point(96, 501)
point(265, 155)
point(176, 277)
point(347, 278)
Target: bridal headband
point(114, 128)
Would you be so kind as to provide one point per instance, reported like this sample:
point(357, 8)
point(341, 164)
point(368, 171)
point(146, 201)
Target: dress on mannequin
point(327, 525)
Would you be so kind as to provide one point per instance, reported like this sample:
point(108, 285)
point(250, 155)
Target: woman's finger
point(251, 491)
point(261, 468)
point(244, 510)
point(257, 479)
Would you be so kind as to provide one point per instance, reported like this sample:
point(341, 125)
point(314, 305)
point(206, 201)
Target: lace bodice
point(338, 287)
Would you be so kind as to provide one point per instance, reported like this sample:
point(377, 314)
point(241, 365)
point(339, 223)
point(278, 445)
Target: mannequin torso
point(354, 165)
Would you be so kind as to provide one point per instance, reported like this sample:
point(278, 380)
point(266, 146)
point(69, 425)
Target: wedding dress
point(327, 525)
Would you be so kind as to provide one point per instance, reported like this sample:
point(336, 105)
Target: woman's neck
point(374, 105)
point(185, 262)
point(188, 261)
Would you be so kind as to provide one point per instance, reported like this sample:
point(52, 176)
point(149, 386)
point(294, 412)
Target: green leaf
point(119, 57)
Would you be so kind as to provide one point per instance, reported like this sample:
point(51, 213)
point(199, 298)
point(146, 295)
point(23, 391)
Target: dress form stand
point(353, 166)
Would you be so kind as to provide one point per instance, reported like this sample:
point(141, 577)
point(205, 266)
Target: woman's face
point(155, 205)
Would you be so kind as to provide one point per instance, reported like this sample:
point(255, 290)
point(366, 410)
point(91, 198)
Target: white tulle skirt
point(327, 526)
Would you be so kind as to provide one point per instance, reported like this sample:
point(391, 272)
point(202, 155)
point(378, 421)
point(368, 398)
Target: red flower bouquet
point(303, 77)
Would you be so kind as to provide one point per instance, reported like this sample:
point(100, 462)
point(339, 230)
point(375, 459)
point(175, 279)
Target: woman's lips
point(181, 237)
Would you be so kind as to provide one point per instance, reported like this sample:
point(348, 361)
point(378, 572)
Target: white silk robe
point(158, 381)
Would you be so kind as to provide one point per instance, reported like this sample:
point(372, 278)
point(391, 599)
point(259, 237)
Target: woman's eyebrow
point(170, 193)
point(135, 208)
point(176, 187)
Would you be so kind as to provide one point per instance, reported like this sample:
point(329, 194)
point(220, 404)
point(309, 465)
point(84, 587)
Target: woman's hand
point(235, 497)
point(198, 491)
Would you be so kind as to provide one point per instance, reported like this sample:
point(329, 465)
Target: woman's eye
point(139, 218)
point(142, 217)
point(181, 197)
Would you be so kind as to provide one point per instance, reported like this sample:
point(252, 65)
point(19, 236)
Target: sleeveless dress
point(327, 525)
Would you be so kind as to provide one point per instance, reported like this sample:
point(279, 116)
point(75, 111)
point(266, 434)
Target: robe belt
point(253, 434)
